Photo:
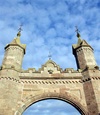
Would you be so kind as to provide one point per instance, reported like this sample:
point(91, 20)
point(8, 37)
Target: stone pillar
point(90, 98)
point(10, 83)
point(10, 91)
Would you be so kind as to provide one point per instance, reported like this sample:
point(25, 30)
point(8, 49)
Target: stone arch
point(74, 101)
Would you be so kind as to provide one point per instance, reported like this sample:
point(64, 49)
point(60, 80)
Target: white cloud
point(53, 107)
point(49, 25)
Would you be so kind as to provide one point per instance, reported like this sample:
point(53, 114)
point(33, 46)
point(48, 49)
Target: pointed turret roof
point(16, 41)
point(80, 42)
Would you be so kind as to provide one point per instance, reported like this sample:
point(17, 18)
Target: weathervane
point(77, 31)
point(49, 56)
point(19, 31)
point(20, 28)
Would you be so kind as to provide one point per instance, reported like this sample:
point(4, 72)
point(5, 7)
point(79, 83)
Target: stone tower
point(10, 87)
point(85, 60)
point(20, 88)
point(83, 53)
point(14, 53)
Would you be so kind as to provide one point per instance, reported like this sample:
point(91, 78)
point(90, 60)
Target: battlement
point(21, 88)
point(51, 70)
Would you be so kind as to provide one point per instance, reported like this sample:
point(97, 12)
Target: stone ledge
point(50, 82)
point(9, 78)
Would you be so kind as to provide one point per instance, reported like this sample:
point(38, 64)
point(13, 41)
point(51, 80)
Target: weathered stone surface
point(21, 88)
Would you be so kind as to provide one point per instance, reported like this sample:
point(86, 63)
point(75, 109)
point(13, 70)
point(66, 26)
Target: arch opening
point(51, 106)
point(66, 97)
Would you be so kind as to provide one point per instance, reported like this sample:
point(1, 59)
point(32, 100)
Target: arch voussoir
point(53, 95)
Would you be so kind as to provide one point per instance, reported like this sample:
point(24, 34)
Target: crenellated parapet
point(50, 70)
point(51, 67)
point(21, 88)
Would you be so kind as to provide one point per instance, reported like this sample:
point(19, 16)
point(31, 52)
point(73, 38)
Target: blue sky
point(54, 107)
point(49, 25)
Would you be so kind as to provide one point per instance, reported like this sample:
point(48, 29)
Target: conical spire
point(16, 40)
point(80, 42)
